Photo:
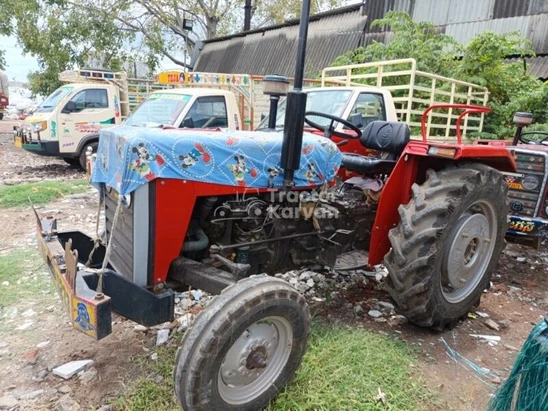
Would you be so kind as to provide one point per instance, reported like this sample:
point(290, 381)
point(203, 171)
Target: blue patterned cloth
point(129, 157)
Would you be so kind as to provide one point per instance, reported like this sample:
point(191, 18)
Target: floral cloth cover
point(129, 157)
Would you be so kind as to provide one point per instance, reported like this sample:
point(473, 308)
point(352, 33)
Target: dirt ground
point(516, 301)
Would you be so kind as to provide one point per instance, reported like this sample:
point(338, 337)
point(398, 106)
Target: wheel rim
point(255, 360)
point(471, 247)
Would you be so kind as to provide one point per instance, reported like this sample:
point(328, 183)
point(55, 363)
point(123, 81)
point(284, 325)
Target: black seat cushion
point(367, 165)
point(387, 136)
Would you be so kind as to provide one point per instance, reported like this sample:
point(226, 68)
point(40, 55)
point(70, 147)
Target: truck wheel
point(82, 157)
point(447, 244)
point(243, 347)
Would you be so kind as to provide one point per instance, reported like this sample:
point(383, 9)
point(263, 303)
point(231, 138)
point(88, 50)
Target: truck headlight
point(42, 125)
point(530, 182)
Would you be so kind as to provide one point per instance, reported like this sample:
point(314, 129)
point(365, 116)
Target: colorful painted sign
point(533, 228)
point(181, 78)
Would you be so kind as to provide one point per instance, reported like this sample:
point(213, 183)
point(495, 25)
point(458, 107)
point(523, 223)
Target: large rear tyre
point(243, 347)
point(447, 244)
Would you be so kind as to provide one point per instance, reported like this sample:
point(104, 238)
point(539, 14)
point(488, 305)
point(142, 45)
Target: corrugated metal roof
point(273, 50)
point(510, 8)
point(537, 66)
point(535, 28)
point(538, 6)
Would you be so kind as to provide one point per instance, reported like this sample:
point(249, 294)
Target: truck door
point(207, 112)
point(85, 113)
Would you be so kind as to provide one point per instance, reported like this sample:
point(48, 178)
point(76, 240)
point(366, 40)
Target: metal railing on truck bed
point(413, 92)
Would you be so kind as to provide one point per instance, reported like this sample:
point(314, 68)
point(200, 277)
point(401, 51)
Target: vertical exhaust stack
point(295, 107)
point(274, 86)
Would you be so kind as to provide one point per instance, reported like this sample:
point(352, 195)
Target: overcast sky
point(18, 65)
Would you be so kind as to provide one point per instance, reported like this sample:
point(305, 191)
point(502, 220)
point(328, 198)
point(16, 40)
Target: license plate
point(18, 142)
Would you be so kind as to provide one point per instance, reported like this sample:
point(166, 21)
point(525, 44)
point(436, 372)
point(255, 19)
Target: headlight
point(42, 125)
point(530, 182)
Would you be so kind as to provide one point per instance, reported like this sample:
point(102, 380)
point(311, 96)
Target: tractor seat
point(389, 138)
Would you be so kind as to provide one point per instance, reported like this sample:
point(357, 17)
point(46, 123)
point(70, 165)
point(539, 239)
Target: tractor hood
point(129, 157)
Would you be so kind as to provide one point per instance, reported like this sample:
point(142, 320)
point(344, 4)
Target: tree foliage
point(481, 61)
point(66, 33)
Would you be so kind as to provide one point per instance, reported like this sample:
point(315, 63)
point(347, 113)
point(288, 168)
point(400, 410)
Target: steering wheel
point(544, 141)
point(329, 131)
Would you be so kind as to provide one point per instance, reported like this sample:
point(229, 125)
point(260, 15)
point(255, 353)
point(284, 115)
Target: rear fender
point(411, 168)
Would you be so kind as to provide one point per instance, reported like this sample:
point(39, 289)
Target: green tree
point(481, 61)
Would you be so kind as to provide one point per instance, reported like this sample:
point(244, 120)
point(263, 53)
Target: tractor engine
point(281, 230)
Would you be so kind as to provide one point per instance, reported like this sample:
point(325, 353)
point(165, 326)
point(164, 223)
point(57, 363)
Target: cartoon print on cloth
point(137, 155)
point(120, 140)
point(141, 163)
point(82, 318)
point(239, 170)
point(194, 155)
point(273, 172)
point(311, 174)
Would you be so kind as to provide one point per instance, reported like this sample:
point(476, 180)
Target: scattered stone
point(399, 320)
point(29, 355)
point(520, 259)
point(87, 376)
point(162, 337)
point(25, 325)
point(482, 314)
point(305, 276)
point(67, 403)
point(104, 408)
point(5, 283)
point(32, 395)
point(358, 309)
point(7, 402)
point(29, 313)
point(492, 324)
point(197, 294)
point(154, 356)
point(186, 304)
point(381, 320)
point(70, 369)
point(510, 347)
point(505, 323)
point(496, 380)
point(386, 305)
point(310, 282)
point(488, 338)
point(42, 344)
point(375, 313)
point(64, 389)
point(184, 322)
point(140, 327)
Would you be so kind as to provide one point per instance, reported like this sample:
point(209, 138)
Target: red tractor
point(216, 210)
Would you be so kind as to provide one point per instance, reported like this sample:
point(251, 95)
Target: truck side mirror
point(70, 107)
point(357, 119)
point(188, 123)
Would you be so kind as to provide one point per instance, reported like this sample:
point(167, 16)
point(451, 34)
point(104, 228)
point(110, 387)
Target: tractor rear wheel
point(243, 347)
point(447, 244)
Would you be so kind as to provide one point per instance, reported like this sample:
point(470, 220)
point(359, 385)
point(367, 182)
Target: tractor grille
point(121, 256)
point(523, 193)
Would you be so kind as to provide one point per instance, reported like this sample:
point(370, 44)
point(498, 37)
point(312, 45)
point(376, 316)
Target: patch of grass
point(343, 370)
point(25, 266)
point(39, 193)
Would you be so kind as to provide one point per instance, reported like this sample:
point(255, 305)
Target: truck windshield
point(158, 109)
point(53, 99)
point(325, 101)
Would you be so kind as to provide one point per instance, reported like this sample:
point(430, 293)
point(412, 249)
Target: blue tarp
point(129, 157)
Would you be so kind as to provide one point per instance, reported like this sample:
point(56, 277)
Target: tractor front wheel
point(447, 244)
point(243, 347)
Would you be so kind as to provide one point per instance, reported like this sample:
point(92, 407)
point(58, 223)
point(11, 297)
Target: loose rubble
point(70, 369)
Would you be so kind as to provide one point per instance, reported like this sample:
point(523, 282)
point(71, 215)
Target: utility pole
point(247, 15)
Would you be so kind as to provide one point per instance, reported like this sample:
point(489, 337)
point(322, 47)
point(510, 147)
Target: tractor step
point(200, 276)
point(352, 260)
